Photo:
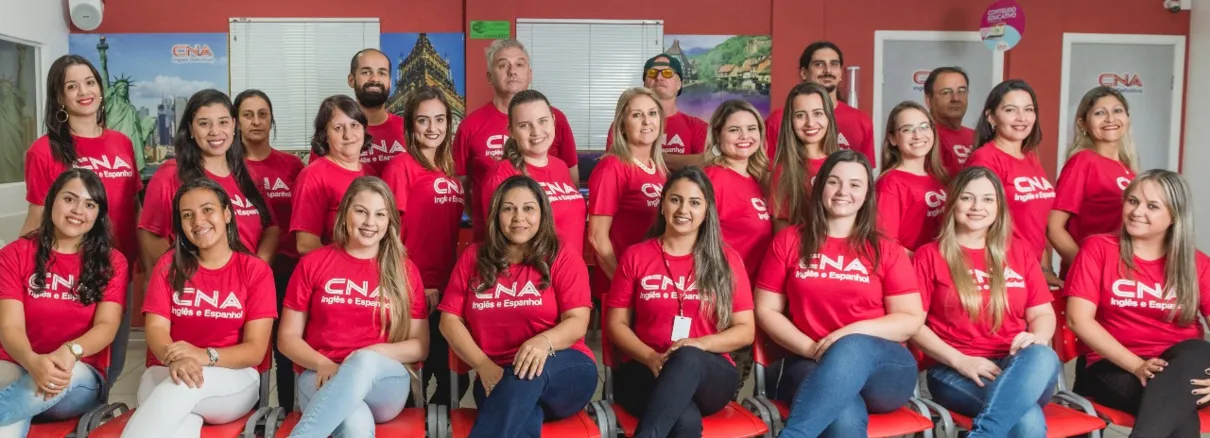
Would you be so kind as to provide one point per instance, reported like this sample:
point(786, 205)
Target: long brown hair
point(443, 159)
point(790, 191)
point(758, 163)
point(393, 293)
point(512, 150)
point(1180, 261)
point(185, 253)
point(892, 157)
point(58, 132)
point(539, 253)
point(864, 239)
point(1082, 141)
point(995, 254)
point(621, 145)
point(986, 132)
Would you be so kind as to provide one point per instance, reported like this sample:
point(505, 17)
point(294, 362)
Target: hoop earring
point(62, 112)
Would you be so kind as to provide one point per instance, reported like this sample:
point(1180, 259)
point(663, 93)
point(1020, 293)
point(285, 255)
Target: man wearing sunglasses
point(684, 135)
point(823, 63)
point(945, 95)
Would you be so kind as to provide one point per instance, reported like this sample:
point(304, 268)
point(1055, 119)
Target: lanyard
point(680, 292)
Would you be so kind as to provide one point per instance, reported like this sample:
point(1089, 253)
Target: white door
point(903, 60)
point(1149, 72)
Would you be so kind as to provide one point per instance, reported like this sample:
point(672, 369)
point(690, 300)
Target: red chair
point(904, 421)
point(411, 422)
point(245, 427)
point(582, 425)
point(732, 422)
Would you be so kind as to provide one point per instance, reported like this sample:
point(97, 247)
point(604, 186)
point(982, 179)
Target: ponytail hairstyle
point(539, 252)
point(443, 159)
point(864, 238)
point(712, 274)
point(758, 163)
point(1180, 260)
point(1082, 141)
point(512, 151)
point(789, 192)
point(985, 131)
point(995, 257)
point(393, 283)
point(185, 254)
point(621, 145)
point(96, 268)
point(189, 154)
point(58, 132)
point(892, 157)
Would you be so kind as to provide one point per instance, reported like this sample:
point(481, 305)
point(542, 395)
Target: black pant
point(692, 384)
point(438, 365)
point(1165, 407)
point(283, 268)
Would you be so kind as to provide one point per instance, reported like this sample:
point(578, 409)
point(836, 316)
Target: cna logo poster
point(148, 78)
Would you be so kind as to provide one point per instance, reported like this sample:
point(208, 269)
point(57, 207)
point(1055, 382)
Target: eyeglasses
point(666, 73)
point(909, 129)
point(948, 92)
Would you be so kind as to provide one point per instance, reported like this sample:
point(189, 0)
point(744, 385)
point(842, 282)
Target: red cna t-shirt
point(956, 147)
point(215, 304)
point(479, 143)
point(276, 175)
point(1129, 304)
point(158, 208)
point(54, 315)
point(339, 293)
point(566, 202)
point(683, 135)
point(813, 165)
point(909, 207)
point(629, 195)
point(111, 157)
point(319, 189)
point(431, 203)
point(386, 142)
point(649, 288)
point(834, 287)
point(743, 214)
point(855, 130)
point(1090, 188)
point(514, 309)
point(1029, 193)
point(1025, 287)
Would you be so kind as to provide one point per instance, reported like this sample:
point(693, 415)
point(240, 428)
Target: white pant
point(164, 406)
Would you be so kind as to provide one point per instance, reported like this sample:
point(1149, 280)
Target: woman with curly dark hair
point(62, 288)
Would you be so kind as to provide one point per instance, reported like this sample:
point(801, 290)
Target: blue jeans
point(19, 405)
point(367, 389)
point(517, 407)
point(1011, 405)
point(858, 374)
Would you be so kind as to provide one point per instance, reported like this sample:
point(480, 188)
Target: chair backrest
point(1065, 343)
point(764, 350)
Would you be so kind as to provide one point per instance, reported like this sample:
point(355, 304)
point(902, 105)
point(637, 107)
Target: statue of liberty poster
point(148, 79)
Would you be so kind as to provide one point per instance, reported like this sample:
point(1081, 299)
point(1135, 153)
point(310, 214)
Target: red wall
point(792, 23)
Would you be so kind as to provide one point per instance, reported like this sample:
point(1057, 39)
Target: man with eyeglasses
point(945, 95)
point(823, 63)
point(684, 135)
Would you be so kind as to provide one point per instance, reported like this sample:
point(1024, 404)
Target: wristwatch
point(213, 354)
point(76, 350)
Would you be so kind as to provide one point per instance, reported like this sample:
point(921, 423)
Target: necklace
point(649, 170)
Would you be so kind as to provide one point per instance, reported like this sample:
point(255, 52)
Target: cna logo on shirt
point(659, 286)
point(1011, 279)
point(191, 302)
point(843, 142)
point(56, 287)
point(762, 210)
point(652, 191)
point(243, 207)
point(380, 152)
point(448, 191)
point(1139, 295)
point(934, 200)
point(106, 167)
point(347, 291)
point(1123, 182)
point(1030, 188)
point(276, 188)
point(673, 145)
point(494, 146)
point(833, 268)
point(1123, 82)
point(560, 191)
point(504, 297)
point(963, 152)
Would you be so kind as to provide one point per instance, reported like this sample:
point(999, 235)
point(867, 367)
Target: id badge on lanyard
point(680, 323)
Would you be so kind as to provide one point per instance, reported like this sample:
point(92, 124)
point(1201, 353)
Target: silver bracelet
point(551, 352)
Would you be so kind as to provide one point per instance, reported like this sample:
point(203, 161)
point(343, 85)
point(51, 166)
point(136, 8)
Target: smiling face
point(255, 119)
point(684, 208)
point(845, 190)
point(510, 72)
point(81, 92)
point(1146, 213)
point(825, 68)
point(519, 215)
point(203, 218)
point(366, 220)
point(913, 134)
point(532, 125)
point(1107, 120)
point(1015, 117)
point(74, 212)
point(642, 123)
point(976, 207)
point(213, 129)
point(371, 81)
point(346, 136)
point(810, 119)
point(740, 136)
point(431, 124)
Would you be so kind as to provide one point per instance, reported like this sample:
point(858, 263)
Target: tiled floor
point(125, 388)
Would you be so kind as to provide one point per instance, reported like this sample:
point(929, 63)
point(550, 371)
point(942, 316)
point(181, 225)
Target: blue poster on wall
point(148, 78)
point(427, 59)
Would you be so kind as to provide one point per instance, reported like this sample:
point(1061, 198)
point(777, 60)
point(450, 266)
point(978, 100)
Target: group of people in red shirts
point(346, 270)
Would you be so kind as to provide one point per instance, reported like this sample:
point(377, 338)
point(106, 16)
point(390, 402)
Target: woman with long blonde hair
point(354, 318)
point(626, 183)
point(911, 189)
point(989, 315)
point(1101, 162)
point(1137, 300)
point(806, 138)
